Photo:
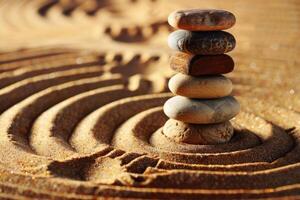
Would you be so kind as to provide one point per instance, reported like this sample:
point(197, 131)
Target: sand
point(81, 92)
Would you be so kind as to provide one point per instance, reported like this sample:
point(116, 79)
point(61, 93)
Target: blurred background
point(267, 34)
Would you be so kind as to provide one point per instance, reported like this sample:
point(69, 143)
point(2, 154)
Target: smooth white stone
point(201, 111)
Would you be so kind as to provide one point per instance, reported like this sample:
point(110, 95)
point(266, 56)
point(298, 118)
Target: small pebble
point(201, 20)
point(203, 43)
point(196, 65)
point(205, 87)
point(201, 111)
point(204, 134)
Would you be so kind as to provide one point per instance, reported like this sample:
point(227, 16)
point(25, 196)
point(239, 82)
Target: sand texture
point(82, 85)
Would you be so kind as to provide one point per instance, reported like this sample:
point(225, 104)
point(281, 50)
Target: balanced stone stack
point(201, 111)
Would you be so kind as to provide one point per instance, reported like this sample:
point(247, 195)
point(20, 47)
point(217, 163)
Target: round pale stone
point(204, 87)
point(203, 43)
point(201, 20)
point(198, 133)
point(197, 65)
point(201, 111)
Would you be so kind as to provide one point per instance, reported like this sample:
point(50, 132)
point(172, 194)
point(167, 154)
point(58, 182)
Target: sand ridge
point(81, 114)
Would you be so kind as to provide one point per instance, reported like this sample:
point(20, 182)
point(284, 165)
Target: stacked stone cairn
point(201, 110)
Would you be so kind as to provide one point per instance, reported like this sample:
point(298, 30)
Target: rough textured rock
point(203, 43)
point(196, 65)
point(201, 20)
point(198, 134)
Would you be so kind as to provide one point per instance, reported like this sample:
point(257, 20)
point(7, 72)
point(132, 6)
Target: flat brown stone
point(201, 20)
point(202, 87)
point(196, 65)
point(204, 43)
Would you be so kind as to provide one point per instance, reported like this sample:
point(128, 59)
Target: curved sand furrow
point(19, 75)
point(54, 186)
point(14, 129)
point(18, 91)
point(70, 131)
point(139, 139)
point(98, 127)
point(55, 126)
point(35, 61)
